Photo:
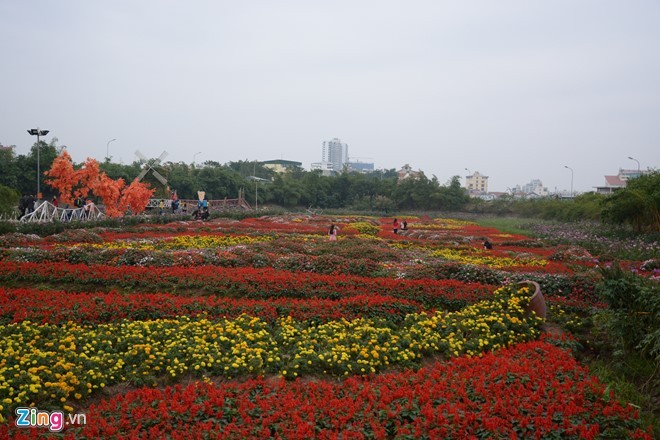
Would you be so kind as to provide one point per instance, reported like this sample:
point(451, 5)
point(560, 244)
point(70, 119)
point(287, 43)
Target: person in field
point(332, 233)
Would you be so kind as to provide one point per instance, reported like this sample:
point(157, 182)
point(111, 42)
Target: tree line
point(637, 205)
point(378, 191)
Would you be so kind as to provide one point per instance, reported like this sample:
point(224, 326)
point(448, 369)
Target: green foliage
point(583, 207)
point(7, 227)
point(638, 204)
point(8, 170)
point(635, 305)
point(8, 200)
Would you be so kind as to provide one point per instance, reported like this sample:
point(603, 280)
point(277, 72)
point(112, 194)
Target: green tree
point(219, 182)
point(8, 200)
point(121, 171)
point(317, 190)
point(287, 190)
point(181, 177)
point(247, 168)
point(26, 167)
point(8, 167)
point(638, 204)
point(452, 197)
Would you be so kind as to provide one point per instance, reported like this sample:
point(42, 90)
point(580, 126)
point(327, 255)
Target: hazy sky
point(513, 89)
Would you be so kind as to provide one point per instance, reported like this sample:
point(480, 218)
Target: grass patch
point(635, 382)
point(509, 225)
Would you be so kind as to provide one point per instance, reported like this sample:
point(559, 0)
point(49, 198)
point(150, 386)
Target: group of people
point(332, 232)
point(202, 211)
point(26, 204)
point(396, 225)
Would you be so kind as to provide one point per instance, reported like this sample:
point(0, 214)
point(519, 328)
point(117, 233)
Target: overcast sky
point(516, 90)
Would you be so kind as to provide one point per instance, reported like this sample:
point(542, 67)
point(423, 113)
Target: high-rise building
point(534, 187)
point(476, 183)
point(335, 153)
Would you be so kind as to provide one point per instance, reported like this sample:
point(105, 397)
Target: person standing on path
point(395, 225)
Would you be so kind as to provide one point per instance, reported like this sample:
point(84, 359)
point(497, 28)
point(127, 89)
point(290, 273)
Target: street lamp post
point(37, 132)
point(639, 169)
point(566, 166)
point(107, 149)
point(195, 155)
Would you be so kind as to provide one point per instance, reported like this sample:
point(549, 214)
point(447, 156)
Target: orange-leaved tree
point(116, 196)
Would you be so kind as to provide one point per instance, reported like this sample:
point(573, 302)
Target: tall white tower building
point(336, 153)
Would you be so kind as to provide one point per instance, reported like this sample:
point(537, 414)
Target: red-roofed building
point(613, 183)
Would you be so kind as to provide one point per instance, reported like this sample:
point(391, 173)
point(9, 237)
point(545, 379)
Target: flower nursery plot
point(265, 328)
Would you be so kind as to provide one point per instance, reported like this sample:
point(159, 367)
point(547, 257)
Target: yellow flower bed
point(365, 228)
point(444, 223)
point(185, 242)
point(485, 260)
point(51, 365)
point(211, 241)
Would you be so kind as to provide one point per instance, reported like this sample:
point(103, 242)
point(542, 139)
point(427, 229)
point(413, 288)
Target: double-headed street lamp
point(195, 155)
point(566, 166)
point(639, 169)
point(38, 133)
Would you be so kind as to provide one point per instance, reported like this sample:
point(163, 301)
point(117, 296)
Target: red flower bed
point(57, 307)
point(319, 226)
point(248, 282)
point(532, 390)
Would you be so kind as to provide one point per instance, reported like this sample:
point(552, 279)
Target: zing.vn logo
point(32, 417)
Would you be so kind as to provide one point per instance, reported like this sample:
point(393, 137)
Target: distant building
point(476, 183)
point(281, 166)
point(618, 181)
point(326, 168)
point(334, 156)
point(361, 167)
point(533, 189)
point(406, 172)
point(336, 153)
point(486, 196)
point(498, 194)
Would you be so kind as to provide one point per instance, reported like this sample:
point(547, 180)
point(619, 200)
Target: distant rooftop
point(615, 181)
point(285, 163)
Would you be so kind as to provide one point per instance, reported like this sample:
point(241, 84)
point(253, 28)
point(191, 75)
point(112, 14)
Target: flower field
point(264, 328)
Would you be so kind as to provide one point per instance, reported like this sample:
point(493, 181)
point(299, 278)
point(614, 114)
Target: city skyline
point(531, 180)
point(514, 90)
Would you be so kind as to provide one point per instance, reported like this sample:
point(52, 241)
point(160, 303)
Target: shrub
point(635, 305)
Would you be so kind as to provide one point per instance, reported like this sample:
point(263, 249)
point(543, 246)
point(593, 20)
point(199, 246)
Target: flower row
point(53, 365)
point(58, 307)
point(184, 242)
point(246, 282)
point(482, 259)
point(532, 390)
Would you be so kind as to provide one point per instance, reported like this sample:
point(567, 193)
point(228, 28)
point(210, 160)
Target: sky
point(516, 90)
